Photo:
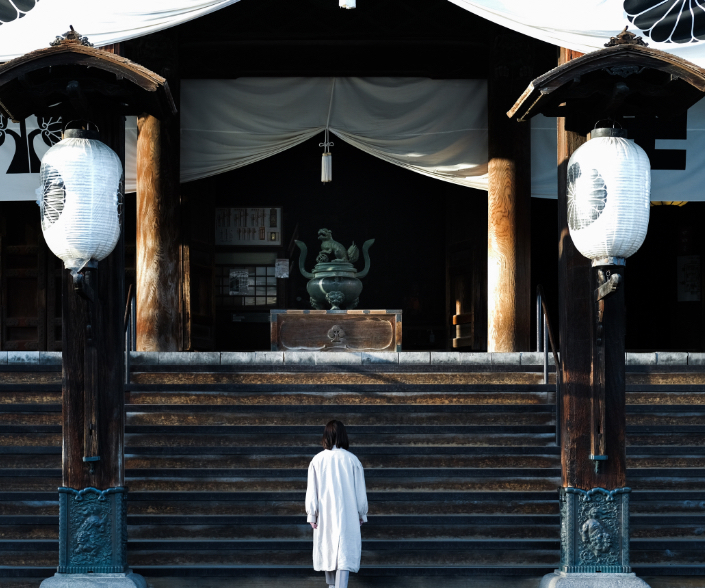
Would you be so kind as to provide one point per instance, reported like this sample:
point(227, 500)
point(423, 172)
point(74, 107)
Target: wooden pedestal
point(336, 330)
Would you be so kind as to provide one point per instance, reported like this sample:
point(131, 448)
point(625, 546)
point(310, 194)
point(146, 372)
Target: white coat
point(336, 499)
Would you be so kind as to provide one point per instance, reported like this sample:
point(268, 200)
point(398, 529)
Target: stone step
point(381, 415)
point(284, 503)
point(503, 481)
point(410, 552)
point(411, 460)
point(657, 576)
point(397, 528)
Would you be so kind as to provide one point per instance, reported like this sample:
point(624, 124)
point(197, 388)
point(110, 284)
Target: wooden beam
point(509, 201)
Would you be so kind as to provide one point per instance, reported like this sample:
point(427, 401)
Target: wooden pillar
point(509, 200)
point(576, 286)
point(158, 255)
point(93, 371)
point(159, 243)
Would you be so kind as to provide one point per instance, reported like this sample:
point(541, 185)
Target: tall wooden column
point(594, 500)
point(509, 200)
point(95, 384)
point(159, 243)
point(577, 285)
point(92, 499)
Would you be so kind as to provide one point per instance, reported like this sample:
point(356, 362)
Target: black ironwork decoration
point(92, 531)
point(667, 21)
point(71, 36)
point(594, 530)
point(13, 9)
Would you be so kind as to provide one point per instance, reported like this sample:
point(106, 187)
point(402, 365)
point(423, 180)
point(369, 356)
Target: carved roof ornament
point(626, 38)
point(72, 37)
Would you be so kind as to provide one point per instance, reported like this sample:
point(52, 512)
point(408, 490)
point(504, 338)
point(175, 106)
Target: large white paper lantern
point(346, 3)
point(609, 187)
point(80, 199)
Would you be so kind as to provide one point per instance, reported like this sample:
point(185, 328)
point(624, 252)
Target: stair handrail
point(129, 330)
point(544, 332)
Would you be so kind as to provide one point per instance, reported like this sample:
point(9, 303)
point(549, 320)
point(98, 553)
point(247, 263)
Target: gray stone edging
point(448, 358)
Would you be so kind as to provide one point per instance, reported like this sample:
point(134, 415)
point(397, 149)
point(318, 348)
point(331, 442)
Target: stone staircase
point(460, 460)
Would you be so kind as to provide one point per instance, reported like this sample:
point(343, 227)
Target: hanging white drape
point(231, 136)
point(586, 25)
point(104, 22)
point(582, 25)
point(434, 127)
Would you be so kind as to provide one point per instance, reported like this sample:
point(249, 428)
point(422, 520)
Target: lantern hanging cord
point(327, 143)
point(614, 122)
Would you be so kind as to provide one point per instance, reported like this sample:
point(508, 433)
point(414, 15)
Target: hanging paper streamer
point(327, 168)
point(327, 161)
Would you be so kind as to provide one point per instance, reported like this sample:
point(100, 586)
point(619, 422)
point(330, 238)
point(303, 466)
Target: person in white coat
point(336, 505)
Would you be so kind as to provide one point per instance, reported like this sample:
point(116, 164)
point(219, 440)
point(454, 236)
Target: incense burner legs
point(341, 292)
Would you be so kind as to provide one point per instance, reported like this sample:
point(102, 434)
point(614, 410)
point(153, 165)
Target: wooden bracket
point(609, 285)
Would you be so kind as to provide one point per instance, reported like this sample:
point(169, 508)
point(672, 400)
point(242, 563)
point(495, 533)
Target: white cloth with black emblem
point(674, 26)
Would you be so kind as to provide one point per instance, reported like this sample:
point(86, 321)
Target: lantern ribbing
point(609, 186)
point(80, 198)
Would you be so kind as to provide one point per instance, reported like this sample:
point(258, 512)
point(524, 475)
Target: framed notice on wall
point(258, 227)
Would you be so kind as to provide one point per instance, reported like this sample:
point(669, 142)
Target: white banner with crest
point(675, 26)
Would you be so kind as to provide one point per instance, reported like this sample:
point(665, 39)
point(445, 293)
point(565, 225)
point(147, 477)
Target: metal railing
point(544, 336)
point(130, 330)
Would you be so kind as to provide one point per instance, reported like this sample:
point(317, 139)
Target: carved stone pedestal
point(126, 580)
point(594, 530)
point(93, 541)
point(594, 541)
point(560, 579)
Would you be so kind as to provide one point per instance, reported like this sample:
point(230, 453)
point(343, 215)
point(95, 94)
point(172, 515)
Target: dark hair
point(335, 434)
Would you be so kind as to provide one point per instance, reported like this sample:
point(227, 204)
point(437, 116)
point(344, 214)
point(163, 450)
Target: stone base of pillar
point(126, 580)
point(595, 531)
point(560, 579)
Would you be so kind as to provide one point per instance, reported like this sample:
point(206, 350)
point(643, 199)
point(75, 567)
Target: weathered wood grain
point(107, 382)
point(313, 332)
point(158, 260)
point(575, 326)
point(334, 377)
point(508, 204)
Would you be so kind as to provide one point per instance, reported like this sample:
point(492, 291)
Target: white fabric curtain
point(434, 127)
point(666, 185)
point(675, 26)
point(104, 22)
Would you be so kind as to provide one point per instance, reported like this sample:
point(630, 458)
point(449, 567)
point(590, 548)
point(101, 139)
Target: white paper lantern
point(347, 3)
point(609, 187)
point(80, 198)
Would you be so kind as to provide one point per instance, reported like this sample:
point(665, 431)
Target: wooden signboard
point(336, 330)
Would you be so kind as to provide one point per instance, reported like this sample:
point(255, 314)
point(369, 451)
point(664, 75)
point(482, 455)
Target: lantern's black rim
point(608, 132)
point(81, 134)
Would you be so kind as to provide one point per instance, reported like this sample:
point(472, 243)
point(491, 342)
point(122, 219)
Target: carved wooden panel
point(346, 331)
